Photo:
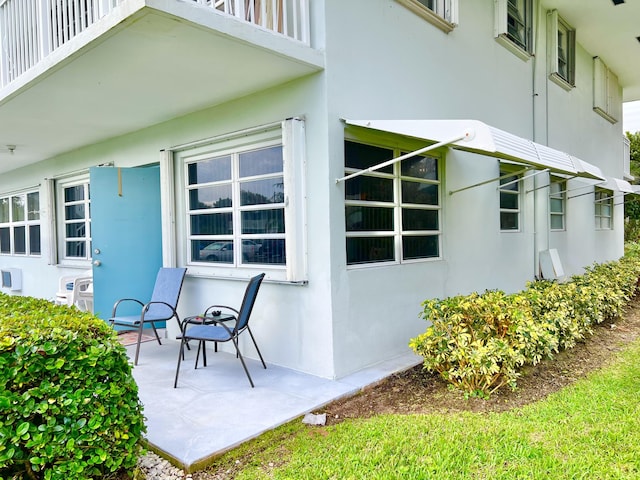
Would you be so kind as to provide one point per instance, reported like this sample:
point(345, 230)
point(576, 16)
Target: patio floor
point(215, 409)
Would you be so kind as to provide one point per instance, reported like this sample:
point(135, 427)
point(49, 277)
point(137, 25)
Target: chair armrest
point(148, 305)
point(115, 306)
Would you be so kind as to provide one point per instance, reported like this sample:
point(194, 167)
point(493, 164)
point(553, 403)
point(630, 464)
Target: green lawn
point(588, 431)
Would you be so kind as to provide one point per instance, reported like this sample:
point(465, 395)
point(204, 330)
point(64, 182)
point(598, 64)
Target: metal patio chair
point(161, 307)
point(212, 327)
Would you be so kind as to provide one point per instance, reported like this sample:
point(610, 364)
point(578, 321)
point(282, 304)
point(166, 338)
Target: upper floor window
point(562, 51)
point(514, 24)
point(509, 200)
point(604, 209)
point(441, 13)
point(607, 94)
point(392, 214)
point(557, 203)
point(20, 224)
point(240, 200)
point(74, 219)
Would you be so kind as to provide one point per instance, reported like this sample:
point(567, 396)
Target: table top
point(205, 319)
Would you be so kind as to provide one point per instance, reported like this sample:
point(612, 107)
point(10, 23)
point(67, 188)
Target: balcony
point(137, 63)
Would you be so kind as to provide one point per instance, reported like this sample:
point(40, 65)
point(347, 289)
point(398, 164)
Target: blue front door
point(126, 235)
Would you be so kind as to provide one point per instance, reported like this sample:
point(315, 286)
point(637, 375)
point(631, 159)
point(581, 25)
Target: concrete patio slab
point(215, 409)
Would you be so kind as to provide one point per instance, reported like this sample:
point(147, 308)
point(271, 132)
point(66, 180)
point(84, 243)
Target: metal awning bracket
point(467, 135)
point(510, 174)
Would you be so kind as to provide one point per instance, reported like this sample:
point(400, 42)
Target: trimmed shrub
point(479, 342)
point(69, 406)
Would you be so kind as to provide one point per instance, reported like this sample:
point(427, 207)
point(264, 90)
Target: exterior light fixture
point(11, 148)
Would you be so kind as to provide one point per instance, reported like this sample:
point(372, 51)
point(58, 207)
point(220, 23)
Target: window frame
point(443, 14)
point(290, 135)
point(25, 223)
point(603, 198)
point(561, 195)
point(525, 49)
point(556, 27)
point(398, 233)
point(510, 176)
point(61, 185)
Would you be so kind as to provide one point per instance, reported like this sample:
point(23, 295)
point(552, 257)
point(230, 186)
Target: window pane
point(76, 249)
point(508, 221)
point(422, 193)
point(74, 194)
point(33, 206)
point(416, 219)
point(556, 205)
point(263, 221)
point(368, 219)
point(5, 240)
point(75, 230)
point(369, 249)
point(360, 156)
point(511, 180)
point(20, 240)
point(420, 247)
point(557, 222)
point(4, 210)
point(420, 167)
point(259, 192)
point(373, 189)
point(74, 212)
point(215, 252)
point(218, 196)
point(17, 209)
point(212, 224)
point(34, 240)
point(261, 162)
point(508, 200)
point(212, 170)
point(271, 251)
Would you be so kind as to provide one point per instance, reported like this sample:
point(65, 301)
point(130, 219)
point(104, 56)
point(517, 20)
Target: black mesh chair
point(215, 326)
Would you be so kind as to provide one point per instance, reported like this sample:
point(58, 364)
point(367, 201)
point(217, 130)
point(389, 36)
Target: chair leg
point(257, 349)
point(239, 355)
point(135, 362)
point(180, 356)
point(153, 325)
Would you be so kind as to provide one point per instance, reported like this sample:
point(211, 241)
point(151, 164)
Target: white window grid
point(603, 209)
point(83, 241)
point(236, 209)
point(510, 186)
point(20, 211)
point(557, 204)
point(398, 231)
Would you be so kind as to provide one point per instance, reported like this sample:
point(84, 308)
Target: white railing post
point(44, 23)
point(3, 46)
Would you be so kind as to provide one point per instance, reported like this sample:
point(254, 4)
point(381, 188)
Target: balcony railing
point(32, 29)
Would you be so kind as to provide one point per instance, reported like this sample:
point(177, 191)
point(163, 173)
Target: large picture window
point(236, 208)
point(240, 198)
point(20, 224)
point(392, 214)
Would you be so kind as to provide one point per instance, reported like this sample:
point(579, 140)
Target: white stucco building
point(216, 135)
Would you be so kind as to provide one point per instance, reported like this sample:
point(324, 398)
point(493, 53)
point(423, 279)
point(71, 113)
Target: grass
point(590, 430)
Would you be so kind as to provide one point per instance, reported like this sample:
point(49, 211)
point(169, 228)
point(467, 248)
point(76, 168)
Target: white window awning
point(617, 185)
point(478, 137)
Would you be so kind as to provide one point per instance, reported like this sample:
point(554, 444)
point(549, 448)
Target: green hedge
point(69, 406)
point(480, 342)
